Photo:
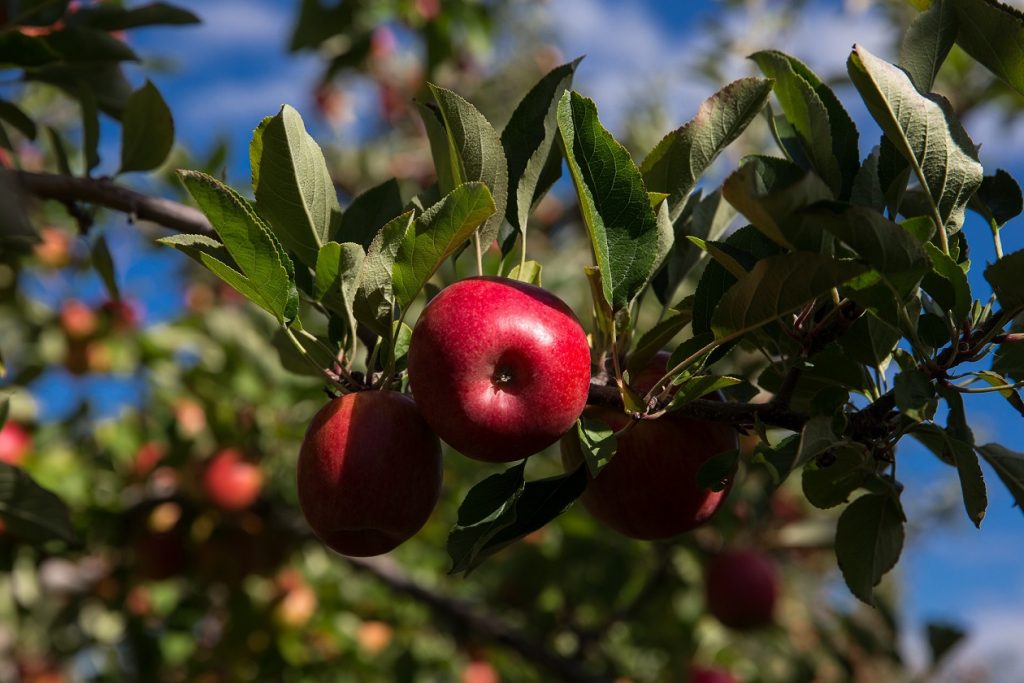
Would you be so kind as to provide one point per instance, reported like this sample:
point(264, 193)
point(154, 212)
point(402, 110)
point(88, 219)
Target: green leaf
point(292, 185)
point(446, 164)
point(925, 131)
point(870, 340)
point(84, 44)
point(676, 163)
point(947, 283)
point(715, 473)
point(368, 213)
point(869, 539)
point(775, 286)
point(831, 477)
point(884, 245)
point(212, 254)
point(657, 338)
point(475, 145)
point(13, 115)
point(993, 33)
point(375, 300)
point(1005, 278)
point(30, 511)
point(941, 639)
point(435, 235)
point(767, 206)
point(147, 130)
point(528, 140)
point(999, 199)
point(927, 42)
point(622, 227)
point(825, 130)
point(779, 460)
point(914, 393)
point(690, 388)
point(17, 49)
point(90, 129)
point(111, 18)
point(1009, 465)
point(528, 271)
point(952, 448)
point(816, 437)
point(17, 233)
point(867, 185)
point(596, 440)
point(103, 262)
point(253, 247)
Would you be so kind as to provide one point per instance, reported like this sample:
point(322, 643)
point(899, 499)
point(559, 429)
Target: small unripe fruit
point(741, 588)
point(369, 472)
point(15, 443)
point(500, 369)
point(230, 482)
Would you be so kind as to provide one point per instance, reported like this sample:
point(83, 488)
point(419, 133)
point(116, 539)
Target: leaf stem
point(305, 354)
point(686, 362)
point(479, 254)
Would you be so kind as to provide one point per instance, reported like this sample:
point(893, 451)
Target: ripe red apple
point(741, 587)
point(15, 443)
point(701, 674)
point(649, 490)
point(480, 671)
point(500, 369)
point(369, 472)
point(77, 320)
point(231, 482)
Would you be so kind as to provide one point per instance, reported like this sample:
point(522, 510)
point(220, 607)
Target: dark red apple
point(649, 490)
point(15, 443)
point(231, 482)
point(741, 588)
point(500, 369)
point(701, 674)
point(369, 472)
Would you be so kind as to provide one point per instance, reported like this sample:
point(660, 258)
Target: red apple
point(741, 587)
point(54, 251)
point(77, 320)
point(701, 674)
point(500, 369)
point(649, 490)
point(480, 671)
point(231, 482)
point(369, 472)
point(15, 443)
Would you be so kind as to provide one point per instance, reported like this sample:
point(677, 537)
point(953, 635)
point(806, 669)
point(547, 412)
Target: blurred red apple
point(741, 587)
point(15, 443)
point(230, 482)
point(54, 251)
point(700, 674)
point(77, 320)
point(479, 671)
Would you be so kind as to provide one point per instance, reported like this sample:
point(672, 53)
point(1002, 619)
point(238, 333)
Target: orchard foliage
point(814, 300)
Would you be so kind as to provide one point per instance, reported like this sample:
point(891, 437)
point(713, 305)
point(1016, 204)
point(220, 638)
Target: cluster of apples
point(499, 370)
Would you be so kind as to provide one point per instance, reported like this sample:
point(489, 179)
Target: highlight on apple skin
point(649, 490)
point(500, 369)
point(369, 472)
point(741, 589)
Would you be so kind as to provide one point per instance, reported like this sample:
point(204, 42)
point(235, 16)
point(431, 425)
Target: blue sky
point(233, 70)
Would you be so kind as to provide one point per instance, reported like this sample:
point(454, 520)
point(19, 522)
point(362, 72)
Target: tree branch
point(388, 572)
point(106, 193)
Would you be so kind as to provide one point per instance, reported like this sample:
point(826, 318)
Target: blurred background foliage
point(124, 403)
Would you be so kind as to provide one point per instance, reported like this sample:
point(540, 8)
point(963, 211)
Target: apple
point(77, 320)
point(15, 443)
point(741, 587)
point(701, 674)
point(649, 490)
point(374, 636)
point(500, 369)
point(231, 482)
point(369, 472)
point(480, 671)
point(54, 249)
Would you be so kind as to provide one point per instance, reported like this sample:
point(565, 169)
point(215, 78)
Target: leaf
point(766, 206)
point(596, 440)
point(622, 227)
point(941, 639)
point(869, 539)
point(13, 115)
point(147, 130)
point(999, 199)
point(253, 247)
point(867, 185)
point(883, 245)
point(778, 460)
point(446, 164)
point(435, 235)
point(18, 49)
point(925, 131)
point(715, 473)
point(90, 129)
point(816, 437)
point(375, 300)
point(914, 394)
point(830, 478)
point(994, 379)
point(825, 130)
point(30, 511)
point(775, 286)
point(699, 386)
point(83, 44)
point(476, 147)
point(528, 507)
point(1005, 278)
point(17, 232)
point(947, 283)
point(103, 262)
point(655, 339)
point(336, 279)
point(212, 254)
point(676, 163)
point(1009, 465)
point(528, 140)
point(111, 18)
point(528, 271)
point(927, 42)
point(368, 213)
point(993, 33)
point(292, 185)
